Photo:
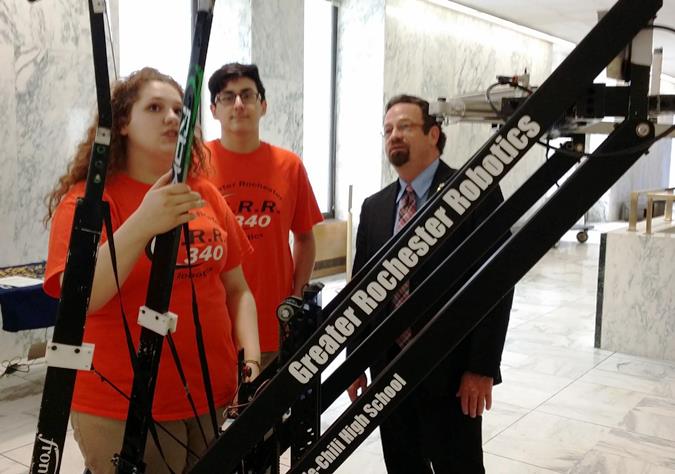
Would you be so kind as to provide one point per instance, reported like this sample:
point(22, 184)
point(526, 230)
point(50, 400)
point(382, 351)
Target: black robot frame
point(65, 352)
point(452, 311)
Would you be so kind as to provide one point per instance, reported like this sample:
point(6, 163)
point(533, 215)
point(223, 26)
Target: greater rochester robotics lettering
point(366, 301)
point(330, 342)
point(506, 148)
point(509, 145)
point(357, 426)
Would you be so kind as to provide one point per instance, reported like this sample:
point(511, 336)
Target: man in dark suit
point(439, 424)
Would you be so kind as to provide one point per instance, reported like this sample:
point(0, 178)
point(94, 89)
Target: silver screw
point(642, 130)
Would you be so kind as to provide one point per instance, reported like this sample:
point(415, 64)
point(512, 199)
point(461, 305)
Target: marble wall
point(47, 98)
point(433, 52)
point(445, 53)
point(415, 47)
point(637, 311)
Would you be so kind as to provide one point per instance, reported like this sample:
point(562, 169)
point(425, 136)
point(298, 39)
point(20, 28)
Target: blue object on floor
point(27, 307)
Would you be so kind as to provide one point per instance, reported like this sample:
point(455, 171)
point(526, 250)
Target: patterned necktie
point(405, 213)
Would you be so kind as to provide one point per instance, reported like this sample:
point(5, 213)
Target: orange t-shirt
point(270, 194)
point(217, 244)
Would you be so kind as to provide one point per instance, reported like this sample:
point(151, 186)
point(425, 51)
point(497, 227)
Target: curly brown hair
point(124, 95)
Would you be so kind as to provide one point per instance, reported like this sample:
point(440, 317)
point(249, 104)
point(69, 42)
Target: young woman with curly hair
point(143, 203)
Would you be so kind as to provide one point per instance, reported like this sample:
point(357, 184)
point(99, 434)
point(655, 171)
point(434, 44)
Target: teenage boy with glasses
point(269, 192)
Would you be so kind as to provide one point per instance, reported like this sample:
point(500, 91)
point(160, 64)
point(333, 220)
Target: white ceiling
point(572, 19)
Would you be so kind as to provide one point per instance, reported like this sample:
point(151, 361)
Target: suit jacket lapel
point(440, 177)
point(387, 207)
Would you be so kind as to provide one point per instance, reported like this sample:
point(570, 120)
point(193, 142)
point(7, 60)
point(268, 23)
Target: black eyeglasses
point(404, 127)
point(247, 97)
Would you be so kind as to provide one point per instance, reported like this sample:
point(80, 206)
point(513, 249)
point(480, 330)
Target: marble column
point(277, 46)
point(636, 303)
point(230, 41)
point(270, 34)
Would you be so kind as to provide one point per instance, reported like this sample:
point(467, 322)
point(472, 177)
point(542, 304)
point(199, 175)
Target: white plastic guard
point(161, 323)
point(204, 5)
point(66, 356)
point(98, 6)
point(102, 136)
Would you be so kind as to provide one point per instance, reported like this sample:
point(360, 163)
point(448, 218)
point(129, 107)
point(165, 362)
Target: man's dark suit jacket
point(481, 351)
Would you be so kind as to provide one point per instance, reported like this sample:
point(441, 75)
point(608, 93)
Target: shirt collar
point(421, 183)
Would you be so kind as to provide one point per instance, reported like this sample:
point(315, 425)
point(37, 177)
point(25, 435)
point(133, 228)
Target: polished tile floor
point(563, 407)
